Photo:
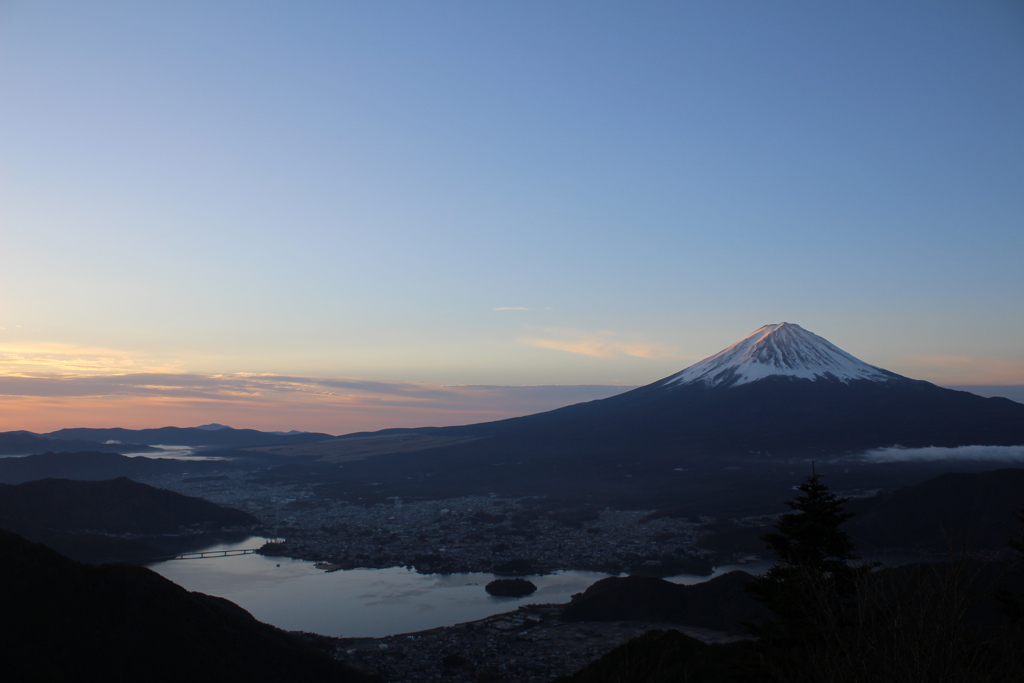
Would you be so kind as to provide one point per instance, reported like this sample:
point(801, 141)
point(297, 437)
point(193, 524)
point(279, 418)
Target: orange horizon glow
point(272, 403)
point(44, 415)
point(46, 387)
point(331, 414)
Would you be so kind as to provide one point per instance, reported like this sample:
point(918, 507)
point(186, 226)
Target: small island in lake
point(510, 588)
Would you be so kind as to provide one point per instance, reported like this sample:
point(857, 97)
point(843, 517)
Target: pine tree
point(812, 586)
point(1010, 602)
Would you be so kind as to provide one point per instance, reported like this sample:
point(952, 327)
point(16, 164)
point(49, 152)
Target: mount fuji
point(727, 434)
point(782, 350)
point(780, 390)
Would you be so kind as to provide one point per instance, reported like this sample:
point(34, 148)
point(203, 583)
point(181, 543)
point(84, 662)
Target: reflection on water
point(167, 452)
point(294, 595)
point(754, 566)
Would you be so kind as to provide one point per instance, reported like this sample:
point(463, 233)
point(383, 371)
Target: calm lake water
point(294, 595)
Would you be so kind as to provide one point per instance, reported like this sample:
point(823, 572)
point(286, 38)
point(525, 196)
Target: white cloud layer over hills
point(933, 453)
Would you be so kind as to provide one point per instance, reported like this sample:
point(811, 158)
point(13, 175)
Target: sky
point(341, 216)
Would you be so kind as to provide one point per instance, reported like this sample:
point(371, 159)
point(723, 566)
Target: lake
point(296, 596)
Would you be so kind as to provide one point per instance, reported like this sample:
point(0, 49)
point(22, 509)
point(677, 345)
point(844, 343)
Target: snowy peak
point(783, 349)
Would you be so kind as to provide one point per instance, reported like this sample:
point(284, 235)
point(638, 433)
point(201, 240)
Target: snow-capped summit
point(782, 349)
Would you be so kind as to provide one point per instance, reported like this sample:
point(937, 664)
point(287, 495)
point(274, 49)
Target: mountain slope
point(780, 350)
point(782, 389)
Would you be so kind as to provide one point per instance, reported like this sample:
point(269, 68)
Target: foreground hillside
point(116, 506)
point(68, 621)
point(87, 519)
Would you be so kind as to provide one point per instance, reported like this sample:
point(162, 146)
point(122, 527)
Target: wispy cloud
point(522, 308)
point(66, 359)
point(951, 369)
point(932, 453)
point(604, 344)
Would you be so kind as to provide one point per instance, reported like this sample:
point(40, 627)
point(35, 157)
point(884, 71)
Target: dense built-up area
point(479, 533)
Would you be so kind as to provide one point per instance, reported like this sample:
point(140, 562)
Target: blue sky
point(498, 194)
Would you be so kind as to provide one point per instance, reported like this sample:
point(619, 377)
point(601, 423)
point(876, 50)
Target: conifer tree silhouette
point(813, 585)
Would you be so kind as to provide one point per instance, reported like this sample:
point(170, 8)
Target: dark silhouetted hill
point(975, 510)
point(72, 517)
point(673, 657)
point(68, 621)
point(721, 603)
point(25, 443)
point(93, 466)
point(117, 506)
point(85, 547)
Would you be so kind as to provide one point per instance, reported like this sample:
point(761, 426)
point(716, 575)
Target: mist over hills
point(23, 443)
point(97, 465)
point(217, 436)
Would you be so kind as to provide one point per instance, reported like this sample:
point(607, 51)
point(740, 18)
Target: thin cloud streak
point(333, 405)
point(601, 345)
point(951, 369)
point(48, 359)
point(522, 308)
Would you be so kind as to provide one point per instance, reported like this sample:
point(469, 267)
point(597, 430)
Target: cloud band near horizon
point(44, 403)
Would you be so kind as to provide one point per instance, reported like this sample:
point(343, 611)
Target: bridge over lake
point(214, 553)
point(207, 554)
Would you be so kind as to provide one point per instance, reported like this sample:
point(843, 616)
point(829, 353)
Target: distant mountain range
point(26, 443)
point(780, 391)
point(208, 435)
point(96, 465)
point(141, 441)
